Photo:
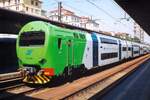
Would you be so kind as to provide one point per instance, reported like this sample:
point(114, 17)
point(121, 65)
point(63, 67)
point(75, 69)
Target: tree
point(136, 39)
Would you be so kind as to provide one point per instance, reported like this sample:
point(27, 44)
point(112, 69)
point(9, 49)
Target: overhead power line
point(56, 1)
point(105, 12)
point(101, 9)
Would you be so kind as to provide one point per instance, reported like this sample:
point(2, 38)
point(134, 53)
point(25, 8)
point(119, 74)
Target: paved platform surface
point(134, 87)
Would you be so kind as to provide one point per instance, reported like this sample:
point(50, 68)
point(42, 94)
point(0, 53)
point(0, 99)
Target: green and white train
point(45, 51)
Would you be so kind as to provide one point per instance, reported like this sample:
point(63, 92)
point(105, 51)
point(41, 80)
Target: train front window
point(32, 38)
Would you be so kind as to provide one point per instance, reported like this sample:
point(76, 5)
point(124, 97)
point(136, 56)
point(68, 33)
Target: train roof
point(13, 36)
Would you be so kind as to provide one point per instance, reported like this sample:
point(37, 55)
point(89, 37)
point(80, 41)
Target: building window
point(32, 2)
point(9, 2)
point(17, 8)
point(27, 8)
point(36, 3)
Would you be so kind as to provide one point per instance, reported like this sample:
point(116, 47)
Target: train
point(8, 51)
point(45, 51)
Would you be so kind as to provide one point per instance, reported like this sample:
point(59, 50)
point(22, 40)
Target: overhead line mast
point(59, 11)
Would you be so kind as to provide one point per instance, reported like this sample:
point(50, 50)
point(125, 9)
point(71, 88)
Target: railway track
point(86, 87)
point(83, 88)
point(11, 86)
point(17, 92)
point(10, 80)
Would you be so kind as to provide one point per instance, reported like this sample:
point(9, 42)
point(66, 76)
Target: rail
point(10, 80)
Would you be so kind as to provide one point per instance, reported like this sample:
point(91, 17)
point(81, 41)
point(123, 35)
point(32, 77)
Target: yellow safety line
point(35, 80)
point(46, 78)
point(42, 78)
point(38, 79)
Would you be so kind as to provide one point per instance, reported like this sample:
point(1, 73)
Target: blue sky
point(107, 13)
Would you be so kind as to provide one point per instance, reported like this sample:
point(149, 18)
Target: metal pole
point(59, 11)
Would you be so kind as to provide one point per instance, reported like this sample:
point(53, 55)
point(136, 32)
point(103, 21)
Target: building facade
point(33, 7)
point(66, 17)
point(88, 23)
point(71, 18)
point(138, 32)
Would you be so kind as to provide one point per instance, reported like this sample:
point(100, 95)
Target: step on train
point(45, 51)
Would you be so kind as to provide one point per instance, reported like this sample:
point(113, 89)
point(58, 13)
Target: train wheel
point(67, 74)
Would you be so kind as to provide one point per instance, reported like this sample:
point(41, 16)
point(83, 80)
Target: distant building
point(108, 33)
point(88, 23)
point(33, 7)
point(138, 32)
point(66, 16)
point(123, 35)
point(71, 18)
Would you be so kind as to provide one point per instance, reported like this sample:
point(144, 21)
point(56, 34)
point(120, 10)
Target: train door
point(95, 49)
point(120, 50)
point(132, 49)
point(70, 52)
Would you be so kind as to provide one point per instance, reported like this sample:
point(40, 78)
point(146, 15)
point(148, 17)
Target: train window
point(124, 49)
point(105, 56)
point(108, 41)
point(32, 38)
point(59, 43)
point(82, 36)
point(135, 52)
point(75, 35)
point(129, 48)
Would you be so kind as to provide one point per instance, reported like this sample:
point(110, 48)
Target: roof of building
point(63, 10)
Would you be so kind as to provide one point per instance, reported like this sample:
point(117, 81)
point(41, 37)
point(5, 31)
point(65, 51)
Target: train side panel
point(108, 49)
point(129, 49)
point(124, 52)
point(88, 55)
point(136, 49)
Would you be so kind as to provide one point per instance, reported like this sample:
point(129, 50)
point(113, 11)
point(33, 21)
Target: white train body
point(102, 50)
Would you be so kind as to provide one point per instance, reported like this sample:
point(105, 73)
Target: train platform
point(134, 87)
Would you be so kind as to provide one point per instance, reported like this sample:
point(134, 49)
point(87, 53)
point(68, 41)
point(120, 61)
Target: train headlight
point(49, 71)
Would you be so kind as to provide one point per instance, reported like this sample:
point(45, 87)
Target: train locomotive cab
point(31, 52)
